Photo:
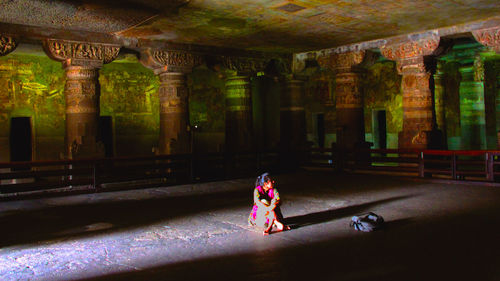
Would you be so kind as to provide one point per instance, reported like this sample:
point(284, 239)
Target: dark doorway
point(382, 129)
point(20, 139)
point(320, 129)
point(106, 134)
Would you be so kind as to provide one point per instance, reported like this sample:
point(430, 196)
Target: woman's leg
point(268, 229)
point(271, 216)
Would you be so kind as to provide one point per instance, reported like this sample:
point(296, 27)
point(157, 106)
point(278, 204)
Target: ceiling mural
point(262, 25)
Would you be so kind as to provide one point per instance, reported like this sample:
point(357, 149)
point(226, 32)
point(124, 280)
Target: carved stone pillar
point(174, 115)
point(348, 96)
point(349, 99)
point(292, 115)
point(82, 62)
point(239, 128)
point(239, 133)
point(171, 68)
point(417, 98)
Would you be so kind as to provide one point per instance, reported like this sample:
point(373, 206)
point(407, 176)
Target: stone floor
point(435, 230)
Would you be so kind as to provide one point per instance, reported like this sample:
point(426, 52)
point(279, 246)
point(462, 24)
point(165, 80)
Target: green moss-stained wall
point(382, 91)
point(129, 94)
point(32, 86)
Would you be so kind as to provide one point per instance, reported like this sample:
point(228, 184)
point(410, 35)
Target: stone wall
point(129, 94)
point(32, 86)
point(382, 91)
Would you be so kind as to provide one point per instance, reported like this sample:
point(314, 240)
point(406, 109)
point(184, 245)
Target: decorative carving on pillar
point(418, 121)
point(409, 55)
point(81, 53)
point(244, 66)
point(343, 62)
point(170, 61)
point(7, 44)
point(489, 37)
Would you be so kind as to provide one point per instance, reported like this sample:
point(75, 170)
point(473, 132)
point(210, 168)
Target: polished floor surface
point(435, 230)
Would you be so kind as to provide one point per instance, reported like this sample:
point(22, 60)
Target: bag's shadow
point(332, 214)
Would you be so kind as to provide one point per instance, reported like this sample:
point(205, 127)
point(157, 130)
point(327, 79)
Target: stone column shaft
point(349, 108)
point(82, 95)
point(239, 136)
point(417, 109)
point(173, 94)
point(292, 115)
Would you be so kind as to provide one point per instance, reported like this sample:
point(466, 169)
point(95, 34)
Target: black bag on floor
point(368, 222)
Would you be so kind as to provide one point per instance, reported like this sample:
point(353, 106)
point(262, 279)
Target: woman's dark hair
point(262, 179)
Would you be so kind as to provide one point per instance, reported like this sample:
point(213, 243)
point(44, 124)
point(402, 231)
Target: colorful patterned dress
point(262, 217)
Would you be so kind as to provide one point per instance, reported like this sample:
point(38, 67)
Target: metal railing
point(94, 175)
point(452, 164)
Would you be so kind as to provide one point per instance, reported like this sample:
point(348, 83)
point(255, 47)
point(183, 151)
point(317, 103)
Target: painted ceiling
point(263, 25)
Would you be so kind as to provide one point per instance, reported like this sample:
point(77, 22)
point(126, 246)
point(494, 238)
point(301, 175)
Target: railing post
point(490, 175)
point(95, 176)
point(191, 159)
point(421, 166)
point(454, 166)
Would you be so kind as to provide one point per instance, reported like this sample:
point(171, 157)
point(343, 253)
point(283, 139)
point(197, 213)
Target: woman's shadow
point(332, 214)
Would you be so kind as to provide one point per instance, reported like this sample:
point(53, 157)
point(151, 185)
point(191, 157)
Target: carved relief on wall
point(62, 50)
point(488, 37)
point(410, 54)
point(7, 45)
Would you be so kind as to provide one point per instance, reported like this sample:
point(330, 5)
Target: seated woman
point(266, 212)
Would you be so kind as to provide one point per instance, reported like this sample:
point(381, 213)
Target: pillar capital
point(489, 37)
point(161, 61)
point(84, 54)
point(342, 62)
point(244, 66)
point(7, 44)
point(409, 55)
